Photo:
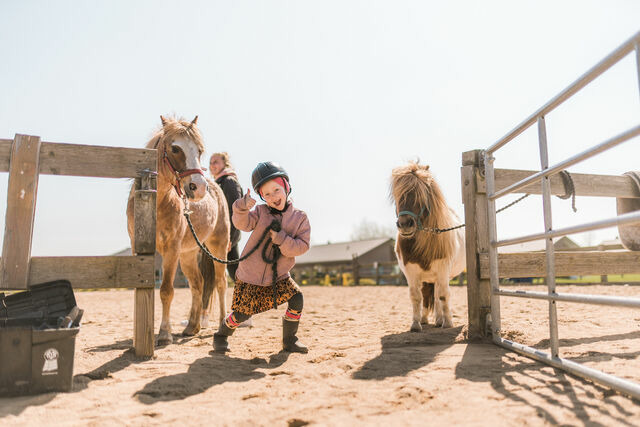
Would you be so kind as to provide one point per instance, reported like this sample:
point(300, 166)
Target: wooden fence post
point(144, 244)
point(477, 242)
point(356, 272)
point(21, 206)
point(376, 266)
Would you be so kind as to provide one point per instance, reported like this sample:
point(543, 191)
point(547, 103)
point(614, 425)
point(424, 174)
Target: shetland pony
point(181, 179)
point(427, 258)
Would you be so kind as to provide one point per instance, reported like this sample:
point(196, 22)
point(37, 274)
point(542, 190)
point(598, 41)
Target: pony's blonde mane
point(415, 179)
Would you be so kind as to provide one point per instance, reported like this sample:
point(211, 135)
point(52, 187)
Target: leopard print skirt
point(253, 299)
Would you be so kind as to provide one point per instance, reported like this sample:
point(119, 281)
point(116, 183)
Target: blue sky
point(338, 92)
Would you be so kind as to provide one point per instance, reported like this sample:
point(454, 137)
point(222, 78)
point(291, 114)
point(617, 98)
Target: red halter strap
point(180, 175)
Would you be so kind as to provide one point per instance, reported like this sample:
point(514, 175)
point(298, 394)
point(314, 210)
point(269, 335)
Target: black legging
point(295, 303)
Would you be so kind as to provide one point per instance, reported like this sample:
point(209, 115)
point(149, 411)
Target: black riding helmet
point(266, 171)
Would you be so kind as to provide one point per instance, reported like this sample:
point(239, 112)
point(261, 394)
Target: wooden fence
point(530, 264)
point(25, 158)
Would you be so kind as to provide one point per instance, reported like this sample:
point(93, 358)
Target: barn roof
point(339, 252)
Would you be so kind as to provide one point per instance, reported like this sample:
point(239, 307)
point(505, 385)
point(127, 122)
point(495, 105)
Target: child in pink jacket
point(257, 281)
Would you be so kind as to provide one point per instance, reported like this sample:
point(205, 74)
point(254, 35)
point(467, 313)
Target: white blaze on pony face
point(274, 194)
point(195, 185)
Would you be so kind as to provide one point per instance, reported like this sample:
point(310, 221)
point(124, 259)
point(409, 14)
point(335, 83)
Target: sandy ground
point(364, 367)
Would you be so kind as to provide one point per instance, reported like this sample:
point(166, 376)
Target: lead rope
point(444, 230)
point(275, 255)
point(186, 212)
point(569, 189)
point(275, 226)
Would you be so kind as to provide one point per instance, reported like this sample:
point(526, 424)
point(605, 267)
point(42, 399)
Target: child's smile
point(274, 195)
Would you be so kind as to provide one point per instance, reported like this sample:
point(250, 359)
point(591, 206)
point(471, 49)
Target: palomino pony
point(428, 256)
point(181, 180)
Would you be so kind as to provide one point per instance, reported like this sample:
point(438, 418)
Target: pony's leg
point(169, 267)
point(190, 268)
point(438, 310)
point(415, 293)
point(443, 311)
point(221, 288)
point(427, 301)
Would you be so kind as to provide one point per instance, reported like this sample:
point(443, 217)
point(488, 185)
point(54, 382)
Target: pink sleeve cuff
point(279, 239)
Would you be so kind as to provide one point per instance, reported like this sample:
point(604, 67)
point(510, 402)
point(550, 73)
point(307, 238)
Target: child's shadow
point(205, 373)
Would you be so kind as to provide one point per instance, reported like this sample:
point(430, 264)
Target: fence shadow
point(406, 352)
point(205, 373)
point(515, 379)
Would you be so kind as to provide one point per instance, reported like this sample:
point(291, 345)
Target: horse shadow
point(422, 348)
point(509, 376)
point(205, 373)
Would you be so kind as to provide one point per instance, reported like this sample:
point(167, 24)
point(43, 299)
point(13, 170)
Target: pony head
point(180, 146)
point(421, 207)
point(413, 190)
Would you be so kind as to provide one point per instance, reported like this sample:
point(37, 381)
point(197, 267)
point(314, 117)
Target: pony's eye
point(174, 149)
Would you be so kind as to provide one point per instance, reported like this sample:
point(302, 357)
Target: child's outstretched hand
point(249, 201)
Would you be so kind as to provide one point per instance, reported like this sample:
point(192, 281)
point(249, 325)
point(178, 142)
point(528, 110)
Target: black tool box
point(37, 339)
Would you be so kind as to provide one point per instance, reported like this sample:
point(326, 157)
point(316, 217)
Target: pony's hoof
point(164, 338)
point(447, 324)
point(190, 331)
point(204, 322)
point(416, 327)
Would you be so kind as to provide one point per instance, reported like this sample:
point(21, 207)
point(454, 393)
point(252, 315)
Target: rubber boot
point(220, 344)
point(289, 339)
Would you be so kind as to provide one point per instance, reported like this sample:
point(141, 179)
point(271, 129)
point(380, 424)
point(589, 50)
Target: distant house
point(334, 258)
point(180, 281)
point(562, 244)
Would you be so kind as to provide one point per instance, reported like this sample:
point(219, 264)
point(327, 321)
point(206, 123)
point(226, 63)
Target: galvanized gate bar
point(493, 250)
point(623, 50)
point(580, 298)
point(619, 139)
point(628, 218)
point(624, 386)
point(548, 226)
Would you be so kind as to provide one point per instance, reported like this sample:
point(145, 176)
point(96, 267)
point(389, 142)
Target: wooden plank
point(87, 160)
point(21, 206)
point(585, 184)
point(532, 264)
point(95, 161)
point(95, 272)
point(143, 341)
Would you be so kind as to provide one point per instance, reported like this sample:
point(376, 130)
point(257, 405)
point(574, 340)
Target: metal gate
point(480, 254)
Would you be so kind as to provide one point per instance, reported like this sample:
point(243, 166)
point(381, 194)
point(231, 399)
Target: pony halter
point(180, 174)
point(417, 222)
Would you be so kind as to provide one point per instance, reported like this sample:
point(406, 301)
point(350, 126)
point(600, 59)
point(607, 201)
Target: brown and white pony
point(180, 179)
point(427, 258)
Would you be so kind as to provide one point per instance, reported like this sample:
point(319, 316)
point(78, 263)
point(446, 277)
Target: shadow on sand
point(515, 379)
point(206, 372)
point(406, 352)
